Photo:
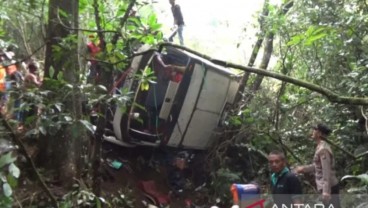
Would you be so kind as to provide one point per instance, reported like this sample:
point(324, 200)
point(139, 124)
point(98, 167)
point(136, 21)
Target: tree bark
point(244, 80)
point(55, 32)
point(268, 50)
point(66, 150)
point(265, 61)
point(106, 79)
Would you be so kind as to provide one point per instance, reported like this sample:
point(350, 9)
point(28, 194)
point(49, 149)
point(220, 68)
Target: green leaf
point(98, 203)
point(13, 182)
point(155, 27)
point(7, 190)
point(101, 89)
point(88, 126)
point(311, 39)
point(139, 106)
point(6, 159)
point(295, 40)
point(14, 170)
point(120, 12)
point(42, 129)
point(109, 47)
point(3, 177)
point(68, 118)
point(310, 31)
point(60, 76)
point(63, 13)
point(51, 71)
point(152, 20)
point(83, 5)
point(318, 30)
point(136, 21)
point(249, 120)
point(235, 120)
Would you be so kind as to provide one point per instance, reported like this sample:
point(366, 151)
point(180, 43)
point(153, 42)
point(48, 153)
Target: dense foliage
point(320, 41)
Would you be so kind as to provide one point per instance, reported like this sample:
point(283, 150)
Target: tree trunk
point(55, 30)
point(106, 79)
point(66, 149)
point(244, 80)
point(268, 49)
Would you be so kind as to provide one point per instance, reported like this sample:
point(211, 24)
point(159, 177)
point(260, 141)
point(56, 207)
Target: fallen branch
point(330, 95)
point(22, 147)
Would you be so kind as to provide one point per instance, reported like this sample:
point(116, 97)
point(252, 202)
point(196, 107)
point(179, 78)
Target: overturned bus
point(181, 108)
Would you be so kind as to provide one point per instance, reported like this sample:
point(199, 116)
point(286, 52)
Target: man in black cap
point(323, 168)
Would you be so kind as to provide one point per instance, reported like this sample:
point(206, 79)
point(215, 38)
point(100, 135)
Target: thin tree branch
point(85, 30)
point(26, 58)
point(285, 147)
point(123, 20)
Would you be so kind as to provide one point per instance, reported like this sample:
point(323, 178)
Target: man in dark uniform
point(285, 186)
point(178, 21)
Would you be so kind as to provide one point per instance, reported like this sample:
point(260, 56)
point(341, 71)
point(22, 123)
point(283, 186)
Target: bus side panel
point(211, 102)
point(200, 130)
point(188, 106)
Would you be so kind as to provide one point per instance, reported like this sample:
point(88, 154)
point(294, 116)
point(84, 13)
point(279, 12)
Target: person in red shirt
point(93, 49)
